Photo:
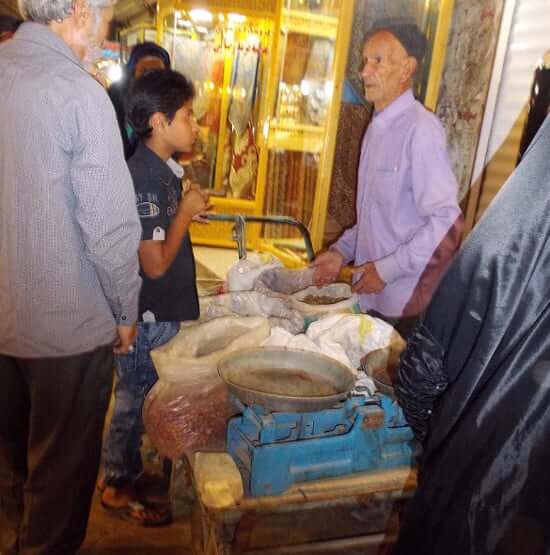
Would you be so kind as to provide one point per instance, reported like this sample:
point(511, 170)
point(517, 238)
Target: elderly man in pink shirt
point(408, 219)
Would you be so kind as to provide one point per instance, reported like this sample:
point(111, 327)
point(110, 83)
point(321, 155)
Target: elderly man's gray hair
point(46, 11)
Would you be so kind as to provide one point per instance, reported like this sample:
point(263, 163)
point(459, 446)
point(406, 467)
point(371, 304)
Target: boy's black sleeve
point(150, 209)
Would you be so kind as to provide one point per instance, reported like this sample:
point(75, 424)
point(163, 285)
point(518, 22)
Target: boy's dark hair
point(163, 91)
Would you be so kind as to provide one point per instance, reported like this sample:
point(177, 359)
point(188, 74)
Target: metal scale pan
point(286, 380)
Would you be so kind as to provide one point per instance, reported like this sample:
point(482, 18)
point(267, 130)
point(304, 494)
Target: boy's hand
point(201, 216)
point(194, 203)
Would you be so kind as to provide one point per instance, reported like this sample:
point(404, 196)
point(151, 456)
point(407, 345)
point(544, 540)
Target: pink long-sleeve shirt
point(408, 219)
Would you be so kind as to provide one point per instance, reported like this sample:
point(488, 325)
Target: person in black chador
point(474, 383)
point(539, 104)
point(146, 56)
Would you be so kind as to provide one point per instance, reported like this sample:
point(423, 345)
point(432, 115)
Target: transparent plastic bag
point(278, 310)
point(242, 274)
point(282, 281)
point(187, 415)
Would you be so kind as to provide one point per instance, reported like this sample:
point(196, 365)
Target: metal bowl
point(286, 380)
point(382, 366)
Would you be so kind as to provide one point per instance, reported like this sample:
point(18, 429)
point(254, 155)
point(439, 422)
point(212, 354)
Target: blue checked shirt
point(69, 229)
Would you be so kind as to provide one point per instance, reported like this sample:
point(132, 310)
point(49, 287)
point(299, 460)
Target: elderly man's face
point(98, 26)
point(387, 69)
point(90, 28)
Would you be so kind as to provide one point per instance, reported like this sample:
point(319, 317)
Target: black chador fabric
point(539, 103)
point(475, 383)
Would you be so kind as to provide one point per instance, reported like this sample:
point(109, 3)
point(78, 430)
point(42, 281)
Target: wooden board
point(362, 510)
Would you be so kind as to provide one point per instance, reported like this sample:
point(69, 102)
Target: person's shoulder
point(74, 86)
point(137, 163)
point(422, 125)
point(424, 118)
point(142, 171)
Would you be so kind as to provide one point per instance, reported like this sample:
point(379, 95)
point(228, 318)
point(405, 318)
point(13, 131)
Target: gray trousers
point(51, 421)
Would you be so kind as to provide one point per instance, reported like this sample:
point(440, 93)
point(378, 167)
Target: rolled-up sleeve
point(105, 206)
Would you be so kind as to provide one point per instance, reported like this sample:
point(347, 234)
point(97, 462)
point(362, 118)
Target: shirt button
point(123, 317)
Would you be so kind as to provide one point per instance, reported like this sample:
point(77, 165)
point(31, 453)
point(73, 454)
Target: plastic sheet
point(278, 310)
point(282, 281)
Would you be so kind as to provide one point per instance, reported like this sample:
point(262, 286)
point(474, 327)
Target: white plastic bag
point(242, 274)
point(344, 337)
point(356, 334)
point(197, 349)
point(278, 310)
point(281, 338)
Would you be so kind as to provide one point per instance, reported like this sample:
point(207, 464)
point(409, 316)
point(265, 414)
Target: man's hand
point(370, 281)
point(327, 267)
point(125, 341)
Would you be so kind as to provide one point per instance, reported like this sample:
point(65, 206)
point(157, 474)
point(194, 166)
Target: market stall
point(278, 404)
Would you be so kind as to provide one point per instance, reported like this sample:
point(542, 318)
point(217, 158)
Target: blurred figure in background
point(146, 56)
point(8, 26)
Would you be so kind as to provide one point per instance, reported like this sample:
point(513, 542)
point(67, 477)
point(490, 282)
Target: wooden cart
point(355, 514)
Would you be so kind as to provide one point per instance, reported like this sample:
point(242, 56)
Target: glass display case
point(264, 73)
point(312, 55)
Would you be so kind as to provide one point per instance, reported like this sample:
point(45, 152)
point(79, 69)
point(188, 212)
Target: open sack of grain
point(296, 287)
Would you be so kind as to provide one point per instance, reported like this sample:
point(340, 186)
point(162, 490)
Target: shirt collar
point(153, 161)
point(41, 34)
point(398, 106)
point(175, 167)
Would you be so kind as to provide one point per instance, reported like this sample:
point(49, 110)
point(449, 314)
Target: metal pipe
point(239, 232)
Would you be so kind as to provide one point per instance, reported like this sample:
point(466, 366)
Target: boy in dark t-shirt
point(160, 111)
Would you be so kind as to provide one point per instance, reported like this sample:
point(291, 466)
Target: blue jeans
point(136, 375)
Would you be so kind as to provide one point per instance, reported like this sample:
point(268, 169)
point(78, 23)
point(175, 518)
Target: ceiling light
point(201, 16)
point(236, 18)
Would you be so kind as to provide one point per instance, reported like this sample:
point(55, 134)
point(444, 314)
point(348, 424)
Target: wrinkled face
point(91, 28)
point(102, 24)
point(148, 63)
point(182, 131)
point(387, 69)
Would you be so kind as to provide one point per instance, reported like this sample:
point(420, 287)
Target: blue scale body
point(275, 450)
